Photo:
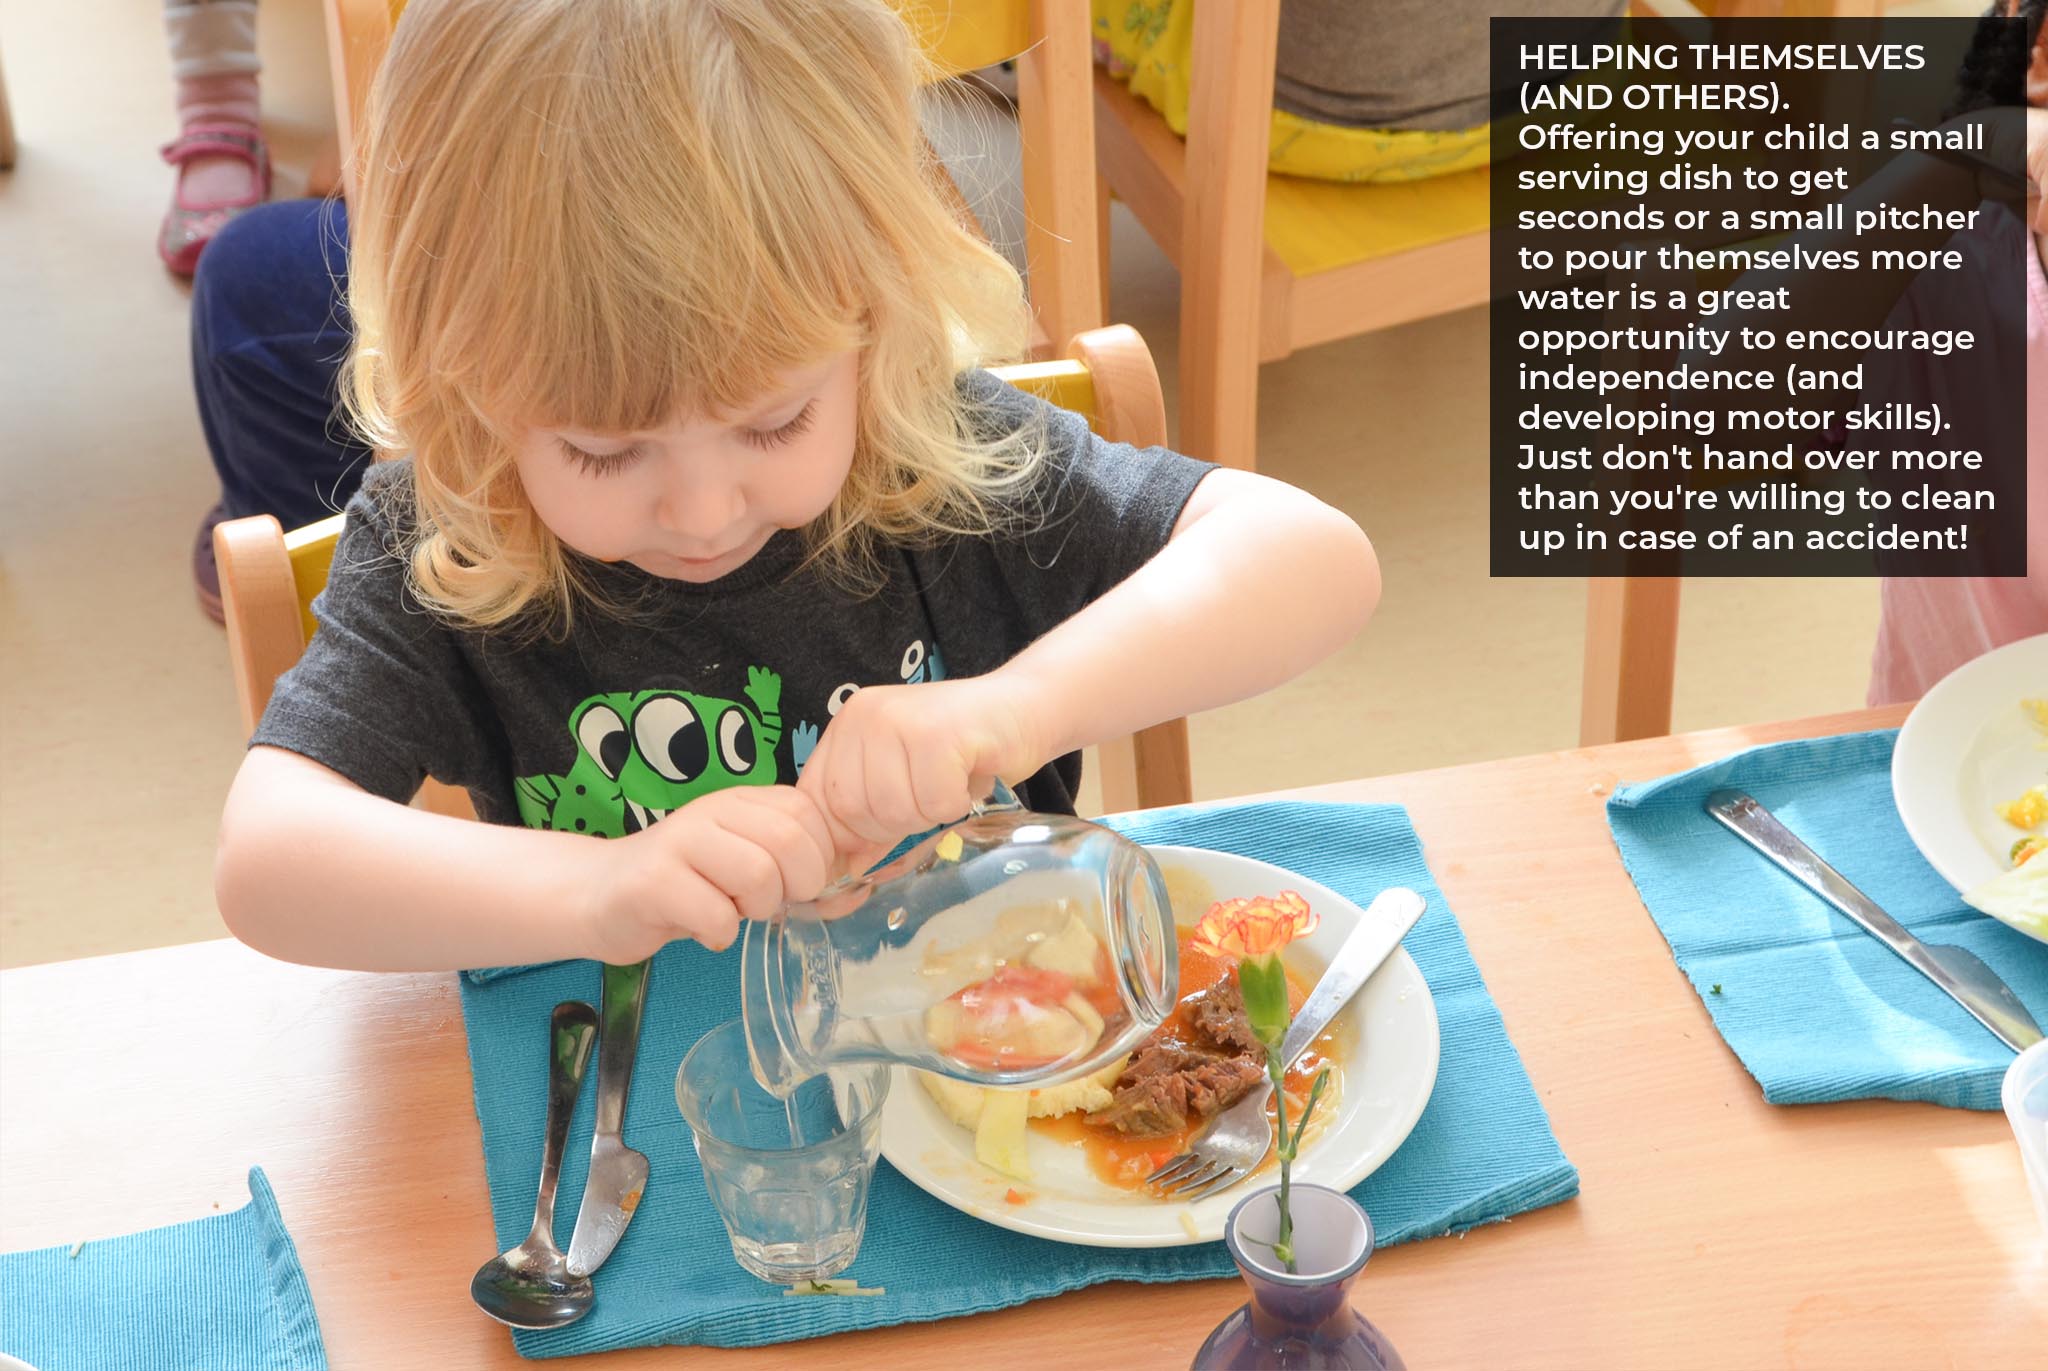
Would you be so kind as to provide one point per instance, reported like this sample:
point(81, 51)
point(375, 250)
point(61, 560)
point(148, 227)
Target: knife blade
point(618, 1174)
point(1957, 972)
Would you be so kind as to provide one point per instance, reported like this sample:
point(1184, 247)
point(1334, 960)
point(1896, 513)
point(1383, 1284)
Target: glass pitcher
point(1011, 949)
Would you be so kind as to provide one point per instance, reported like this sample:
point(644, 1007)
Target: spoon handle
point(571, 1030)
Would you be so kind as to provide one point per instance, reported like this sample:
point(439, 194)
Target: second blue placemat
point(1816, 1008)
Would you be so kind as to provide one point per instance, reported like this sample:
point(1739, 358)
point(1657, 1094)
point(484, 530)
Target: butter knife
point(1957, 972)
point(618, 1174)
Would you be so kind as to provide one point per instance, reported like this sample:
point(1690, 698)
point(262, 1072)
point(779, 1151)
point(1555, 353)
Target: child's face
point(694, 500)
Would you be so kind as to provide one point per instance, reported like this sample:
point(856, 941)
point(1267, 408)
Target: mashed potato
point(997, 1121)
point(962, 1103)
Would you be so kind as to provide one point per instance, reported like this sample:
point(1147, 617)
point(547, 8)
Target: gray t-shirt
point(1399, 64)
point(701, 686)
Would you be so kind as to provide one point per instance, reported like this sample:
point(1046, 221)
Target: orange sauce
point(1124, 1161)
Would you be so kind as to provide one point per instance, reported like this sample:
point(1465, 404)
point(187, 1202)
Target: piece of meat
point(1218, 1014)
point(1166, 1085)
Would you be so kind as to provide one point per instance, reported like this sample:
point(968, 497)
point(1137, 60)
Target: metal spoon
point(530, 1285)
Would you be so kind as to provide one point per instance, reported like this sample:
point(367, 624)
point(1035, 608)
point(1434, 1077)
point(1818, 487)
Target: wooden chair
point(1273, 263)
point(1270, 264)
point(268, 577)
point(1049, 39)
point(1630, 667)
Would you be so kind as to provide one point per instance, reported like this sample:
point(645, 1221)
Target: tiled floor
point(117, 723)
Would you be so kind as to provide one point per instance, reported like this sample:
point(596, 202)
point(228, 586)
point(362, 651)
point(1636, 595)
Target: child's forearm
point(1260, 582)
point(313, 869)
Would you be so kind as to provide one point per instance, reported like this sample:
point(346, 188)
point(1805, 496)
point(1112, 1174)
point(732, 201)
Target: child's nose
point(701, 507)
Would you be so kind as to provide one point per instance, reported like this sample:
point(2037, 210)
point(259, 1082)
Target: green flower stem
point(1283, 1247)
point(1264, 983)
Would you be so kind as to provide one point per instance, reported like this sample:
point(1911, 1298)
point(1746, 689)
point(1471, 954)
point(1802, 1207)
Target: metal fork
point(1237, 1139)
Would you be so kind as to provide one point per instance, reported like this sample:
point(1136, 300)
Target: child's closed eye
point(788, 433)
point(606, 463)
point(599, 463)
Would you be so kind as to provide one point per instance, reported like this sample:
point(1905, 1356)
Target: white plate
point(1389, 1062)
point(1964, 748)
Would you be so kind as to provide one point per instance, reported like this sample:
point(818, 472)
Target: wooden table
point(1713, 1229)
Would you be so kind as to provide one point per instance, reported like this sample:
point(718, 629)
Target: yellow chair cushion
point(966, 35)
point(958, 35)
point(1318, 226)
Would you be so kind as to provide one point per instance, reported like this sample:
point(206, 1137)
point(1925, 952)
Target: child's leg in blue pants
point(269, 331)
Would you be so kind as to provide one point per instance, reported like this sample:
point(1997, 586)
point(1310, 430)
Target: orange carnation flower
point(1256, 926)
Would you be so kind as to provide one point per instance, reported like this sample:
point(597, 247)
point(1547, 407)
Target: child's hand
point(739, 853)
point(901, 759)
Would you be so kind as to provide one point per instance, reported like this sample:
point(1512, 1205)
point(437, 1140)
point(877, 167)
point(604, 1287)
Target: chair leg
point(1223, 229)
point(1631, 658)
point(1147, 770)
point(6, 128)
point(1103, 200)
point(436, 798)
point(1150, 768)
point(323, 178)
point(1056, 123)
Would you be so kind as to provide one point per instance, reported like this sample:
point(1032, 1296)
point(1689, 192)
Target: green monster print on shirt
point(640, 755)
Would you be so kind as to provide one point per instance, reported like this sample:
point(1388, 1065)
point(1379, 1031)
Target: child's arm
point(1258, 582)
point(312, 868)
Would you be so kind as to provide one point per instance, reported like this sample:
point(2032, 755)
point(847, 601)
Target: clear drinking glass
point(2025, 1095)
point(788, 1176)
point(1010, 949)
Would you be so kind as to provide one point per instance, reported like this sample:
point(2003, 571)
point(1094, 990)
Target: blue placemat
point(1482, 1151)
point(1816, 1008)
point(225, 1293)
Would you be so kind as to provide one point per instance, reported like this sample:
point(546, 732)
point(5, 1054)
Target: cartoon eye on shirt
point(921, 664)
point(917, 665)
point(642, 755)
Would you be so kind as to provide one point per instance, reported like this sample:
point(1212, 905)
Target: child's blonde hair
point(608, 214)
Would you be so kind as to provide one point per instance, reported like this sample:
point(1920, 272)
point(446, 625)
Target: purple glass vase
point(1301, 1320)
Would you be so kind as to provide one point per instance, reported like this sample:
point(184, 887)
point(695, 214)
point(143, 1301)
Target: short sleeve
point(1096, 513)
point(383, 694)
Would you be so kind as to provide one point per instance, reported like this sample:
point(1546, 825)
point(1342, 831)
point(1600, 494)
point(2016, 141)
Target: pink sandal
point(189, 228)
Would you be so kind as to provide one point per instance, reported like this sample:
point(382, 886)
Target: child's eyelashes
point(788, 433)
point(599, 463)
point(606, 463)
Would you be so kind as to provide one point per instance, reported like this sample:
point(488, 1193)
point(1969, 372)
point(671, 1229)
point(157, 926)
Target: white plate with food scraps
point(1384, 1046)
point(1967, 747)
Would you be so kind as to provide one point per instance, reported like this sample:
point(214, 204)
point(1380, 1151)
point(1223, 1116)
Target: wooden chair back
point(268, 577)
